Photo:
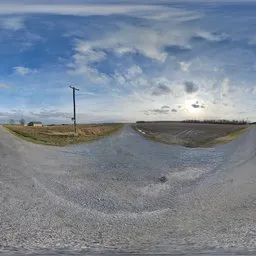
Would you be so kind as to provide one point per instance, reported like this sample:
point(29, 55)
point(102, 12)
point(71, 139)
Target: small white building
point(35, 124)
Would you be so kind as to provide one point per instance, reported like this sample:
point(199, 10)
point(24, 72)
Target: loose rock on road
point(108, 194)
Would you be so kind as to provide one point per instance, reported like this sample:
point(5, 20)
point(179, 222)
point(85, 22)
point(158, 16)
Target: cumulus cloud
point(124, 40)
point(190, 87)
point(133, 71)
point(165, 107)
point(132, 75)
point(83, 61)
point(174, 110)
point(24, 70)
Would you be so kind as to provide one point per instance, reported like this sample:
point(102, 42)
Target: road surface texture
point(109, 195)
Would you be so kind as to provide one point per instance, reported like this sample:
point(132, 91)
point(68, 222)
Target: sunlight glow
point(193, 107)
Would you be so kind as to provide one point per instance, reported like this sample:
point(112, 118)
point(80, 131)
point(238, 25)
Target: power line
point(74, 105)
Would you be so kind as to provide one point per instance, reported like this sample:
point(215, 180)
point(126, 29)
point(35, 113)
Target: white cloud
point(23, 71)
point(148, 11)
point(211, 36)
point(126, 41)
point(131, 76)
point(83, 64)
point(133, 71)
point(151, 42)
point(83, 59)
point(82, 10)
point(140, 81)
point(120, 79)
point(184, 66)
point(12, 23)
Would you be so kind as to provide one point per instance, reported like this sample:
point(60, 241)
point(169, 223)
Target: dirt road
point(108, 194)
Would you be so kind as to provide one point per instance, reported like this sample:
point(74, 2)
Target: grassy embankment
point(229, 137)
point(62, 135)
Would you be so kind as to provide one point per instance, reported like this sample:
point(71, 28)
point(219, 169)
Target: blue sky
point(132, 60)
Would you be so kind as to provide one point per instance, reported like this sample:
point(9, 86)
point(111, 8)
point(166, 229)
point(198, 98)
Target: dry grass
point(62, 135)
point(229, 137)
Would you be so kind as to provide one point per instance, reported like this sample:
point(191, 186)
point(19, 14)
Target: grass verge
point(225, 139)
point(62, 135)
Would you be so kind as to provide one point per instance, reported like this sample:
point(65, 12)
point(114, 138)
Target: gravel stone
point(103, 196)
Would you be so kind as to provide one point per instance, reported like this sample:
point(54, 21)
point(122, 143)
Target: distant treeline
point(222, 121)
point(142, 122)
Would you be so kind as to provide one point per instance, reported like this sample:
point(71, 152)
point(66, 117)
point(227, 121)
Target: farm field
point(62, 135)
point(190, 134)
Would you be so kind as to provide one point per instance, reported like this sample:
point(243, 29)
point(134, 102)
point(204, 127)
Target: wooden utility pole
point(74, 105)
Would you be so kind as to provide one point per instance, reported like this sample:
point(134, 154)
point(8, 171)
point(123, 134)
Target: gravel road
point(107, 195)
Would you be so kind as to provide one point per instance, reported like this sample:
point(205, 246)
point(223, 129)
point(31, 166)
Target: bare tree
point(12, 121)
point(22, 121)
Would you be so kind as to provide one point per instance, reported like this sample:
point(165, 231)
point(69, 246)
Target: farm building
point(35, 124)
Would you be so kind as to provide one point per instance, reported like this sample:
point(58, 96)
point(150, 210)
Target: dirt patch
point(189, 134)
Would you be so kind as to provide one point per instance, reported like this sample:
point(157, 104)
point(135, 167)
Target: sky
point(131, 60)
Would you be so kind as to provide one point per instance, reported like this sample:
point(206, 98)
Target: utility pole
point(74, 104)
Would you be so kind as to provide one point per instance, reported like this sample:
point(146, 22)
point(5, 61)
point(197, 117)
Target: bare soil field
point(190, 134)
point(62, 135)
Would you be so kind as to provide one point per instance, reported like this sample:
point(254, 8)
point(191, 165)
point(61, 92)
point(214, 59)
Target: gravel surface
point(111, 195)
